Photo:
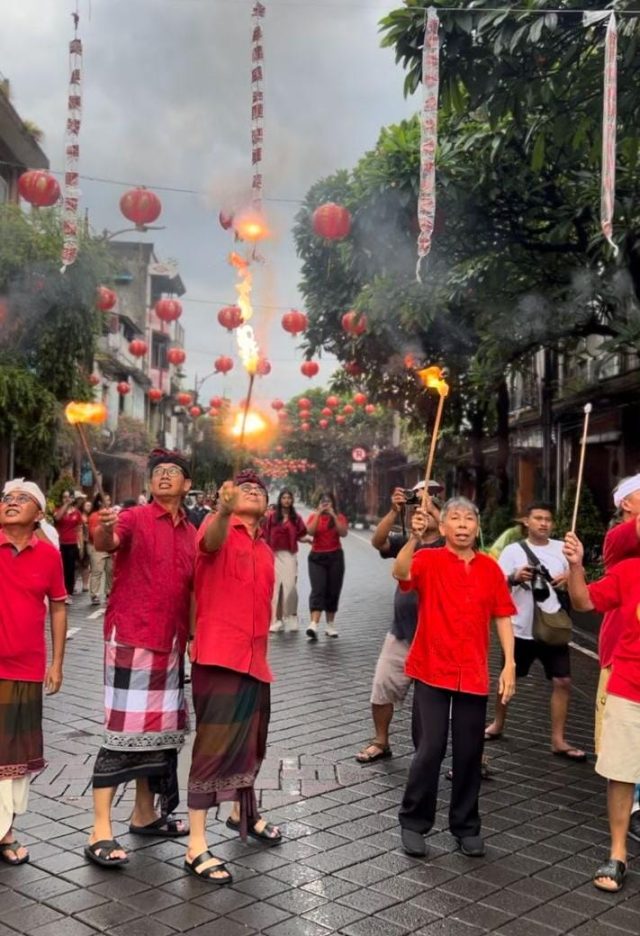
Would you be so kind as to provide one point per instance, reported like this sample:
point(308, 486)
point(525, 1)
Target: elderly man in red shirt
point(30, 572)
point(230, 674)
point(459, 592)
point(146, 629)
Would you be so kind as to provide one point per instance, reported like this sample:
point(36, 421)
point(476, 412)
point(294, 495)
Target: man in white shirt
point(517, 563)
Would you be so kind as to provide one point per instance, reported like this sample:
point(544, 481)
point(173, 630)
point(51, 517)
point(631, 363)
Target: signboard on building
point(359, 454)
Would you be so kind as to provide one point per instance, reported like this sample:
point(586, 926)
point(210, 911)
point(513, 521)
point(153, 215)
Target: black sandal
point(12, 847)
point(163, 827)
point(611, 870)
point(270, 835)
point(384, 752)
point(108, 846)
point(207, 873)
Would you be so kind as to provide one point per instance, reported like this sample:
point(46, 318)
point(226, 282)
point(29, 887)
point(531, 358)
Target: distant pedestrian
point(283, 530)
point(145, 631)
point(459, 592)
point(230, 674)
point(326, 564)
point(101, 562)
point(198, 512)
point(30, 574)
point(84, 563)
point(68, 522)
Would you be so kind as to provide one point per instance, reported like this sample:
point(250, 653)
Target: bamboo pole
point(432, 451)
point(583, 448)
point(87, 450)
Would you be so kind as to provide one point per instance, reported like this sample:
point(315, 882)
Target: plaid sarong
point(145, 708)
point(21, 750)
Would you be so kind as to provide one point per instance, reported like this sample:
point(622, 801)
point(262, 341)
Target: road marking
point(71, 631)
point(589, 653)
point(360, 537)
point(95, 614)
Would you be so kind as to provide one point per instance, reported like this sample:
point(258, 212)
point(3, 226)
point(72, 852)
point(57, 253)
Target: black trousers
point(430, 727)
point(69, 555)
point(326, 574)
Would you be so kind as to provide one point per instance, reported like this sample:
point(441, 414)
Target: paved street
point(341, 869)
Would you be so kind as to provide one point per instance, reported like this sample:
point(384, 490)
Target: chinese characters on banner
point(257, 103)
point(609, 119)
point(428, 136)
point(71, 196)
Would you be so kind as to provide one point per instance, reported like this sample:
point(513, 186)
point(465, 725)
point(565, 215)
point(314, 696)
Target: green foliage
point(28, 414)
point(590, 527)
point(213, 457)
point(132, 435)
point(55, 492)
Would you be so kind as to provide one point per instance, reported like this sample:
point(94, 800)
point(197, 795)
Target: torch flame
point(433, 379)
point(255, 424)
point(92, 413)
point(251, 226)
point(248, 348)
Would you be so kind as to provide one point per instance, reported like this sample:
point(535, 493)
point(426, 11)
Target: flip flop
point(383, 753)
point(270, 835)
point(579, 759)
point(492, 736)
point(163, 827)
point(611, 870)
point(207, 873)
point(108, 846)
point(12, 847)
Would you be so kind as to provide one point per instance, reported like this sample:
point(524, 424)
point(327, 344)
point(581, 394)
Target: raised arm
point(402, 564)
point(217, 528)
point(380, 538)
point(105, 538)
point(577, 583)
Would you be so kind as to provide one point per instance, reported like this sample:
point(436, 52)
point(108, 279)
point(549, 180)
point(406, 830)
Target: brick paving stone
point(70, 927)
point(372, 926)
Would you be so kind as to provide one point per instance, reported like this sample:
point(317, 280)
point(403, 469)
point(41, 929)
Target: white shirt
point(511, 559)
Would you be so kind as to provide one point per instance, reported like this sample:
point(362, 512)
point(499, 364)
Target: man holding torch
point(459, 592)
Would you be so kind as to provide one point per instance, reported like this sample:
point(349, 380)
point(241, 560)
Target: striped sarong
point(21, 748)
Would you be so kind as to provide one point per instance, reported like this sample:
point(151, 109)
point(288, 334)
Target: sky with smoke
point(166, 103)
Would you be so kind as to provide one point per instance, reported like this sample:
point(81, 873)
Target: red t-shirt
point(233, 588)
point(621, 542)
point(283, 537)
point(326, 538)
point(153, 570)
point(456, 603)
point(26, 579)
point(94, 520)
point(619, 590)
point(68, 527)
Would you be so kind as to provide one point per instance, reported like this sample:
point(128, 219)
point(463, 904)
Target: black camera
point(411, 497)
point(539, 586)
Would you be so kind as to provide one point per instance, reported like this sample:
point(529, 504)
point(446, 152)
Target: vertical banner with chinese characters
point(428, 136)
point(257, 103)
point(609, 119)
point(71, 195)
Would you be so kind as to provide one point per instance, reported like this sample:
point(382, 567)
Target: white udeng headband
point(627, 486)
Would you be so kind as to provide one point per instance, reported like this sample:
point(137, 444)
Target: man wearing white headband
point(23, 655)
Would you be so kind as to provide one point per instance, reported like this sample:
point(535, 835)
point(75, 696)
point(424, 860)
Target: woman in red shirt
point(68, 521)
point(326, 564)
point(283, 529)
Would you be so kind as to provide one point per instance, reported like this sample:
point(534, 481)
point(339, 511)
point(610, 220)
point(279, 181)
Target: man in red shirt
point(30, 573)
point(230, 674)
point(145, 631)
point(459, 592)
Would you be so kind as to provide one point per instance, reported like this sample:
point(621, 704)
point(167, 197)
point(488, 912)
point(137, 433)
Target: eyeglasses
point(251, 489)
point(172, 471)
point(17, 499)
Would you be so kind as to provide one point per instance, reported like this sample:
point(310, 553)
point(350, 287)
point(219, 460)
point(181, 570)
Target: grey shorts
point(619, 753)
point(390, 683)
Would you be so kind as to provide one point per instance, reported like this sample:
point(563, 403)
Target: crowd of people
point(213, 581)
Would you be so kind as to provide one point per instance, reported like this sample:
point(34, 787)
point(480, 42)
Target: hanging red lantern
point(214, 412)
point(105, 298)
point(326, 411)
point(140, 206)
point(277, 405)
point(195, 411)
point(123, 388)
point(183, 398)
point(305, 427)
point(348, 409)
point(323, 423)
point(155, 394)
point(216, 402)
point(168, 310)
point(230, 317)
point(279, 448)
point(263, 367)
point(332, 401)
point(283, 417)
point(359, 399)
point(39, 188)
point(176, 356)
point(331, 221)
point(304, 415)
point(138, 348)
point(223, 364)
point(295, 322)
point(303, 403)
point(94, 379)
point(354, 323)
point(309, 368)
point(369, 409)
point(340, 419)
point(353, 369)
point(226, 220)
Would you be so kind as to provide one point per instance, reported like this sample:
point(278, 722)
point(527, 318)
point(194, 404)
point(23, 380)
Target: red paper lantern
point(263, 367)
point(309, 368)
point(183, 398)
point(140, 206)
point(303, 403)
point(230, 317)
point(216, 402)
point(331, 221)
point(155, 394)
point(283, 417)
point(295, 322)
point(304, 415)
point(226, 220)
point(354, 323)
point(195, 411)
point(105, 298)
point(223, 364)
point(39, 188)
point(359, 399)
point(123, 388)
point(279, 448)
point(326, 411)
point(214, 412)
point(277, 405)
point(369, 409)
point(353, 369)
point(168, 310)
point(323, 423)
point(348, 409)
point(305, 427)
point(332, 401)
point(340, 419)
point(94, 379)
point(176, 356)
point(138, 348)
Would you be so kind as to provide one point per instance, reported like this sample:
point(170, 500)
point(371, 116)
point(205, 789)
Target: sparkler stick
point(583, 448)
point(433, 379)
point(94, 413)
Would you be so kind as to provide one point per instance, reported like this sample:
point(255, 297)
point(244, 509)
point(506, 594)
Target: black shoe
point(471, 845)
point(413, 842)
point(634, 825)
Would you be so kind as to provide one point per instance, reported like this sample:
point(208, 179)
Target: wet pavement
point(341, 869)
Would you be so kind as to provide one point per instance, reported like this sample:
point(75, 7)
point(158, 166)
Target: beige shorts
point(619, 755)
point(390, 683)
point(601, 701)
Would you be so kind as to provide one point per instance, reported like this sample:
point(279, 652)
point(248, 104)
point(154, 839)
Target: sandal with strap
point(270, 835)
point(12, 847)
point(207, 873)
point(162, 827)
point(107, 847)
point(611, 870)
point(384, 752)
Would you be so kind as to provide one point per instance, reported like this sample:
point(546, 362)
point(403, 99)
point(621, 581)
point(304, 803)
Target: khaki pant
point(14, 795)
point(285, 593)
point(601, 700)
point(101, 565)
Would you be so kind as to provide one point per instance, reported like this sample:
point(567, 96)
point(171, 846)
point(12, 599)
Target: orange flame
point(92, 413)
point(251, 226)
point(433, 379)
point(248, 348)
point(255, 425)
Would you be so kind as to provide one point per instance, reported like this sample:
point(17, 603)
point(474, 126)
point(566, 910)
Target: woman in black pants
point(326, 564)
point(68, 521)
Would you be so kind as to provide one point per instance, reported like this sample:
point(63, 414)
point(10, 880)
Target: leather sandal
point(207, 873)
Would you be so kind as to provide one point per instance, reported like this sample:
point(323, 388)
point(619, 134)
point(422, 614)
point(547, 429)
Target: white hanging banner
point(428, 136)
point(609, 121)
point(257, 103)
point(71, 197)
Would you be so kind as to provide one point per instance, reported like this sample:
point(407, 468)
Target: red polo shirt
point(456, 603)
point(26, 579)
point(152, 579)
point(68, 527)
point(619, 590)
point(234, 587)
point(621, 542)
